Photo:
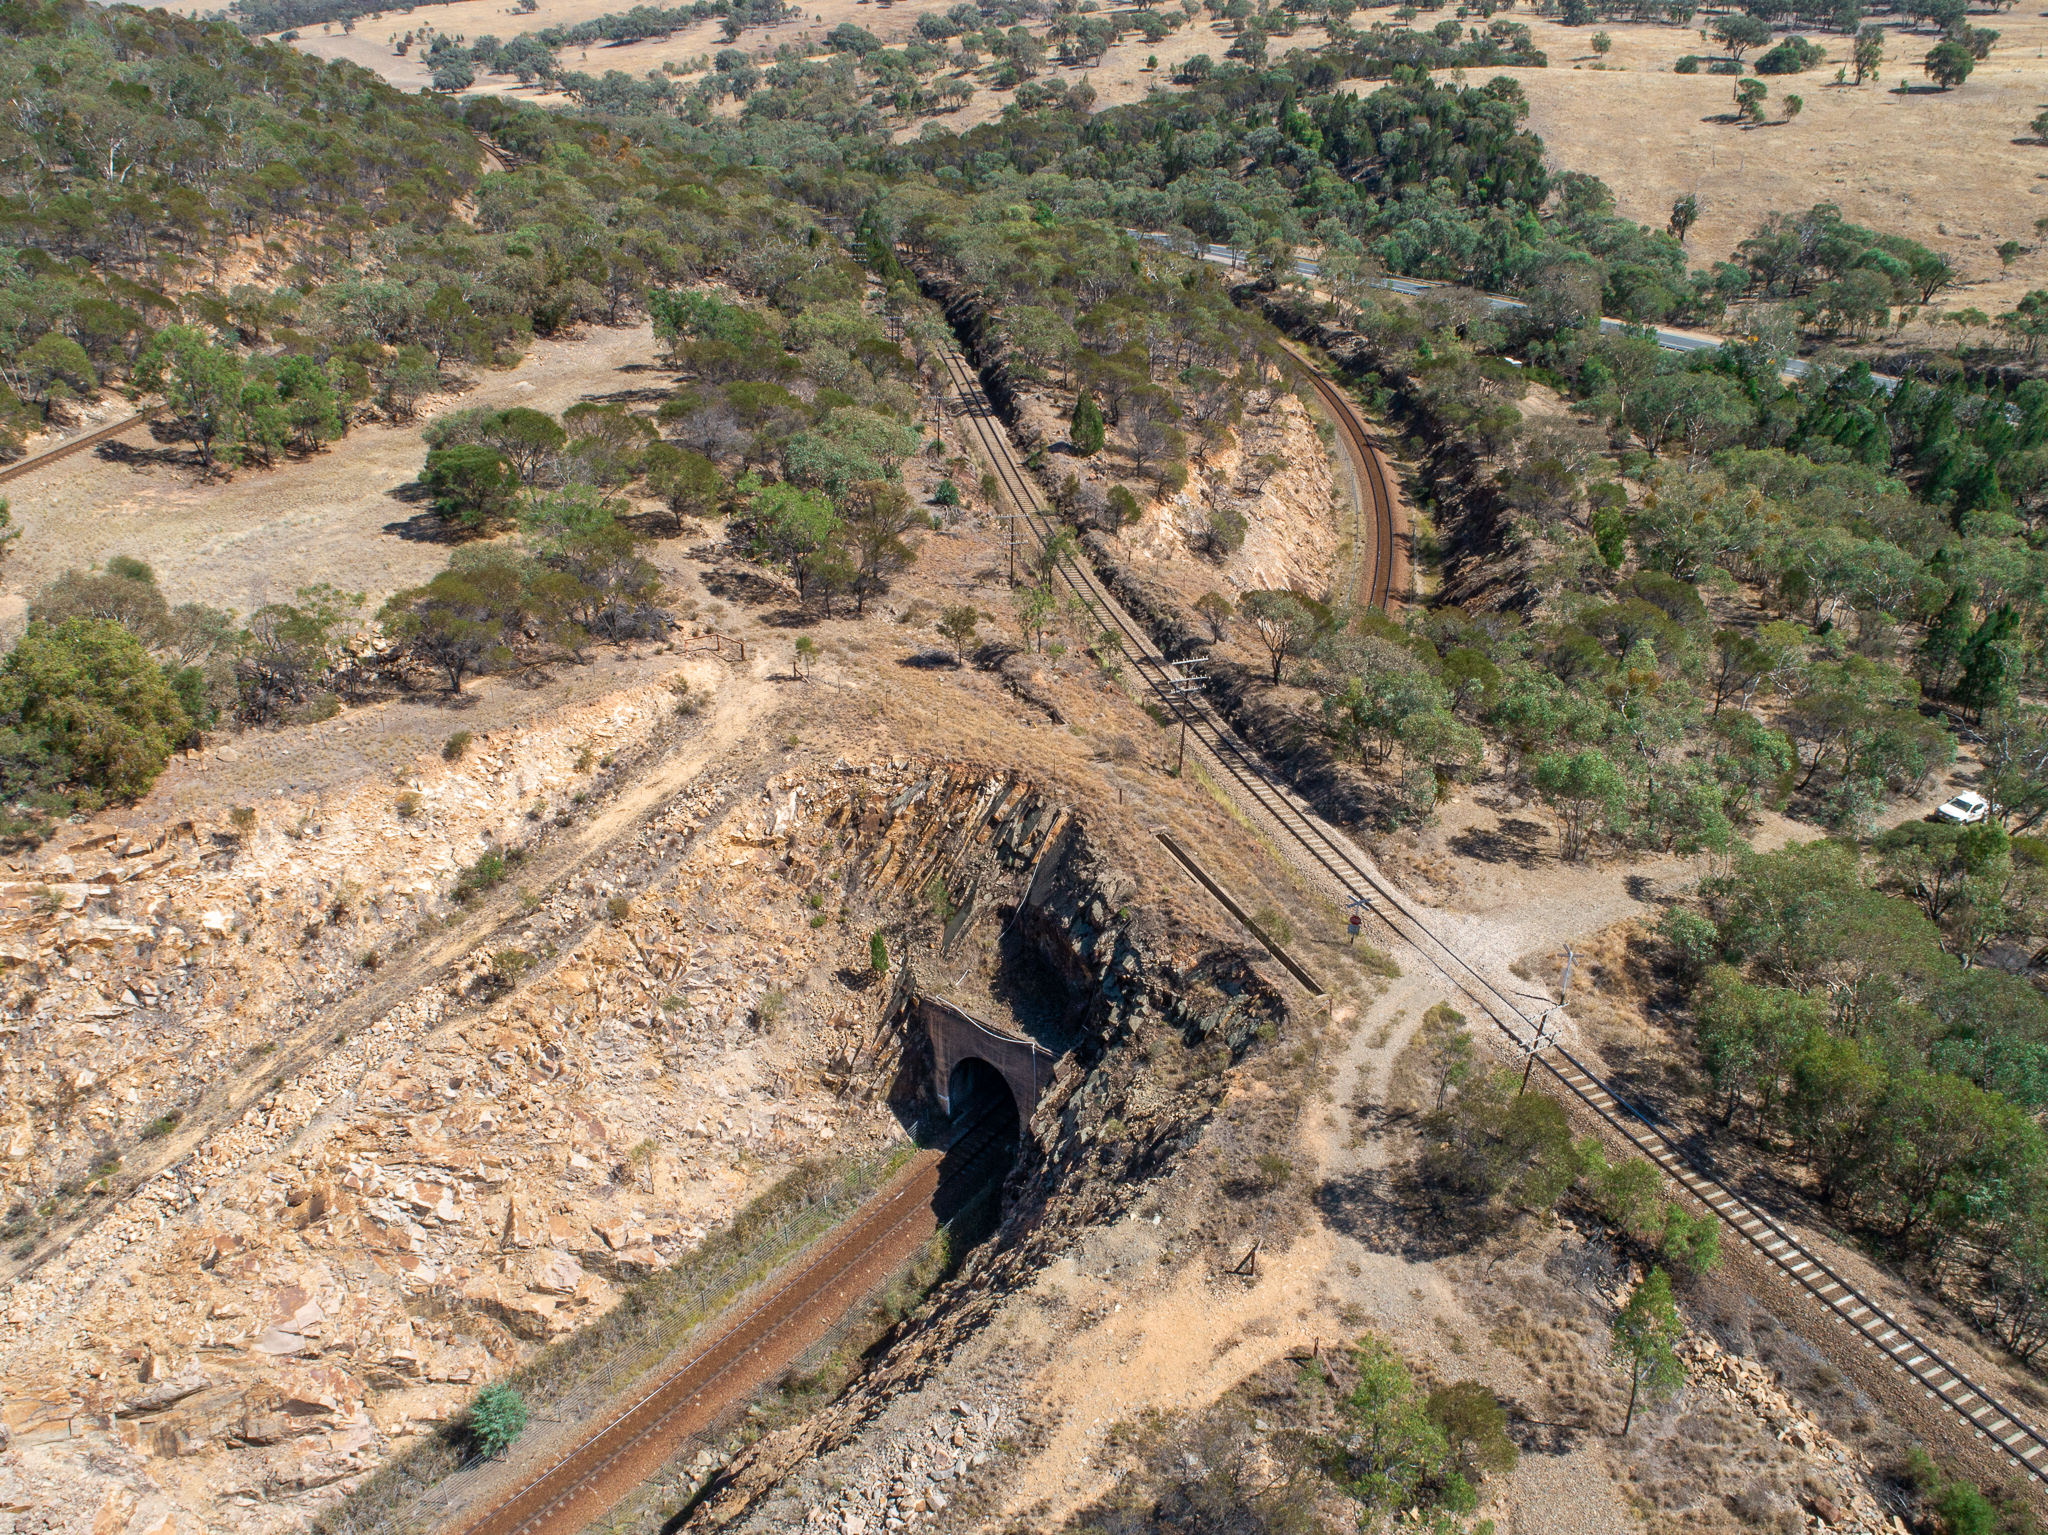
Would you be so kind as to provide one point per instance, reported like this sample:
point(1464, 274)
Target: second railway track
point(1378, 578)
point(76, 445)
point(794, 1310)
point(1262, 791)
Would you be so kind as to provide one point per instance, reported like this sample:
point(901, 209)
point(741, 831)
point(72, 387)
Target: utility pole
point(1012, 518)
point(1180, 682)
point(1531, 1050)
point(1543, 1036)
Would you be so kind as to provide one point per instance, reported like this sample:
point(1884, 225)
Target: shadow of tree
point(1385, 1210)
point(115, 451)
point(1513, 841)
point(430, 527)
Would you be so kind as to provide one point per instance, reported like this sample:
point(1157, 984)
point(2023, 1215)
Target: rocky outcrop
point(1139, 987)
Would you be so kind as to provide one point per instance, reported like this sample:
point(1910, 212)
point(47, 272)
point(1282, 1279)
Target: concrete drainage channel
point(1186, 860)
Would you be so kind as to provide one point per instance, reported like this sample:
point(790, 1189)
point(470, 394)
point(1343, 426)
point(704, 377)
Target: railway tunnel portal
point(971, 1057)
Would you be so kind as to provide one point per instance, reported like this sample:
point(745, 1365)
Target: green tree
point(791, 526)
point(287, 649)
point(1475, 1426)
point(1749, 1035)
point(1395, 1456)
point(687, 482)
point(1446, 1047)
point(1644, 1333)
point(1584, 788)
point(878, 953)
point(460, 622)
point(1610, 524)
point(1685, 213)
point(1288, 624)
point(54, 367)
point(83, 703)
point(878, 517)
point(1085, 431)
point(472, 485)
point(497, 1416)
point(201, 384)
point(1740, 32)
point(1990, 663)
point(1690, 1244)
point(1946, 638)
point(1869, 53)
point(1948, 63)
point(958, 624)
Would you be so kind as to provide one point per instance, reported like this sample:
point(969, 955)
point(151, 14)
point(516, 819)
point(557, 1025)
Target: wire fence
point(672, 1488)
point(572, 1380)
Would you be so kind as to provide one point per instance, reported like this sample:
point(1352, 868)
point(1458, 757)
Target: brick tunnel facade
point(958, 1036)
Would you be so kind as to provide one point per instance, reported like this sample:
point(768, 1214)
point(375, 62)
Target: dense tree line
point(1834, 1021)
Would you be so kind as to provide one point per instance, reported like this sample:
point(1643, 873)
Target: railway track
point(623, 1451)
point(76, 445)
point(1262, 792)
point(1378, 584)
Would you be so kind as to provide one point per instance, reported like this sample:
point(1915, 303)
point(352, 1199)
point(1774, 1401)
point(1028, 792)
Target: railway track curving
point(794, 1311)
point(76, 445)
point(1376, 575)
point(1261, 791)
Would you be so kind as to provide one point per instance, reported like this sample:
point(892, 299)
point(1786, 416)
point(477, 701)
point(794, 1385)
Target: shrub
point(948, 494)
point(1629, 1195)
point(82, 703)
point(406, 806)
point(878, 953)
point(1695, 942)
point(453, 748)
point(1791, 57)
point(243, 819)
point(507, 965)
point(1270, 921)
point(620, 908)
point(487, 872)
point(496, 1417)
point(1724, 66)
point(1689, 65)
point(1691, 1245)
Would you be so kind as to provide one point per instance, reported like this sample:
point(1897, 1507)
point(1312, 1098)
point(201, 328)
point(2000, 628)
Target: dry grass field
point(1957, 170)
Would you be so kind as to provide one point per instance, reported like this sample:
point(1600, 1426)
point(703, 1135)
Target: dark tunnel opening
point(984, 1131)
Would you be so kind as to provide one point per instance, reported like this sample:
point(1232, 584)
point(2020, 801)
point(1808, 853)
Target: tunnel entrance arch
point(959, 1039)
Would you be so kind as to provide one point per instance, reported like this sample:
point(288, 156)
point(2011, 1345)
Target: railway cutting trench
point(628, 1444)
point(1955, 1405)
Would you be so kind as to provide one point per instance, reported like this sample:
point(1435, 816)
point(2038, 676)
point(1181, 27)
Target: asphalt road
point(1670, 340)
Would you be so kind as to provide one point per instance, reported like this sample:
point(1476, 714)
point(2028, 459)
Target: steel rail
point(1373, 476)
point(542, 1500)
point(76, 445)
point(1352, 874)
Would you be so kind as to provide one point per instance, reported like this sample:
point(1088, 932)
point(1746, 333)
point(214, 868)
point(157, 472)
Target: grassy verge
point(575, 1376)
